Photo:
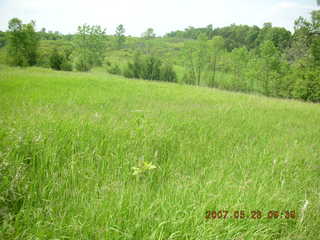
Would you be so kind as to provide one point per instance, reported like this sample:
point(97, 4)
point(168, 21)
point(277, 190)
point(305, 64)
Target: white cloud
point(292, 5)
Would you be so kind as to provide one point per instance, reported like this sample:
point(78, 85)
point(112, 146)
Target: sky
point(161, 15)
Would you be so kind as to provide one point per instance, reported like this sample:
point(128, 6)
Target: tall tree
point(306, 38)
point(120, 37)
point(269, 66)
point(149, 34)
point(216, 48)
point(280, 37)
point(90, 45)
point(307, 62)
point(23, 43)
point(196, 58)
point(239, 60)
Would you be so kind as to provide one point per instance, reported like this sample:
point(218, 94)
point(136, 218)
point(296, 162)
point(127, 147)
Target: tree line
point(281, 65)
point(270, 60)
point(237, 36)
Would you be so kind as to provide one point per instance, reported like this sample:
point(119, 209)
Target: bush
point(18, 60)
point(134, 69)
point(307, 86)
point(56, 60)
point(167, 73)
point(127, 71)
point(44, 60)
point(66, 65)
point(113, 68)
point(82, 64)
point(188, 78)
point(150, 68)
point(59, 61)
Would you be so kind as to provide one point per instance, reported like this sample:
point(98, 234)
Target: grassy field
point(70, 144)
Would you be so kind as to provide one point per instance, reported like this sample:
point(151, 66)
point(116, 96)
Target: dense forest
point(269, 60)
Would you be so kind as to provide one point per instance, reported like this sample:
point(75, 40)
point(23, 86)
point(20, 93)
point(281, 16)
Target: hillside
point(98, 156)
point(267, 60)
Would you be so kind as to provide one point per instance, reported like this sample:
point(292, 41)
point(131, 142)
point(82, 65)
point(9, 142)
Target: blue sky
point(162, 15)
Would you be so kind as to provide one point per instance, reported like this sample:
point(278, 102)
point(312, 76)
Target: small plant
point(143, 168)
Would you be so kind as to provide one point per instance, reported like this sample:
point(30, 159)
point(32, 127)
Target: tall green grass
point(69, 141)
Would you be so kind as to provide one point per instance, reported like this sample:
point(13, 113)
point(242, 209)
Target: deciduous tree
point(216, 48)
point(149, 34)
point(89, 45)
point(23, 43)
point(120, 37)
point(196, 58)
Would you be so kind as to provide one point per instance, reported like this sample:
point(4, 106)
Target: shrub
point(150, 68)
point(307, 85)
point(66, 65)
point(59, 61)
point(188, 78)
point(167, 73)
point(113, 69)
point(56, 60)
point(82, 64)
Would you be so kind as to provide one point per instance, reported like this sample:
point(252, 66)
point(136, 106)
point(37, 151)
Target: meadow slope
point(69, 142)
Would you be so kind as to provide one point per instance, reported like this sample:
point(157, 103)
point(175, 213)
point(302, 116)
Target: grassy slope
point(71, 139)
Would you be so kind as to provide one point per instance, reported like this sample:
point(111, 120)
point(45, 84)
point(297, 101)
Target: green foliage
point(188, 78)
point(269, 66)
point(268, 60)
point(47, 47)
point(239, 62)
point(3, 56)
point(120, 37)
point(56, 60)
point(196, 58)
point(307, 85)
point(66, 64)
point(113, 68)
point(147, 67)
point(82, 63)
point(216, 49)
point(89, 45)
point(2, 39)
point(22, 43)
point(315, 50)
point(151, 68)
point(280, 37)
point(60, 61)
point(167, 73)
point(149, 34)
point(134, 69)
point(50, 35)
point(237, 36)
